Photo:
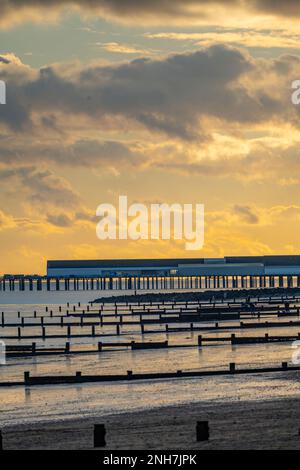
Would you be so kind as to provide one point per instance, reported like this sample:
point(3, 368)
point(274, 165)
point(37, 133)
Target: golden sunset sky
point(163, 101)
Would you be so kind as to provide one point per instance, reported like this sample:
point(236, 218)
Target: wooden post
point(285, 365)
point(2, 319)
point(202, 431)
point(200, 340)
point(93, 330)
point(99, 435)
point(99, 346)
point(233, 338)
point(78, 376)
point(67, 348)
point(33, 348)
point(26, 377)
point(232, 367)
point(118, 330)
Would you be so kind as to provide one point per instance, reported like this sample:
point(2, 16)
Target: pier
point(146, 283)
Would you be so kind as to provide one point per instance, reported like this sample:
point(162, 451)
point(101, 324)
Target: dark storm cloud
point(169, 95)
point(43, 186)
point(153, 10)
point(87, 153)
point(59, 220)
point(246, 213)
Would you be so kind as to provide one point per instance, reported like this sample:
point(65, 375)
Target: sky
point(164, 101)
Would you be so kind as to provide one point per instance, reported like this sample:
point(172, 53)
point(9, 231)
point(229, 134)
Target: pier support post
point(99, 435)
point(202, 431)
point(232, 367)
point(200, 340)
point(285, 365)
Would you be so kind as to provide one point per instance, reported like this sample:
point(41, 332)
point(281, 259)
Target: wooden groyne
point(20, 350)
point(131, 376)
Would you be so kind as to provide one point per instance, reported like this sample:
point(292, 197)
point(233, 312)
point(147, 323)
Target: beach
point(249, 411)
point(270, 424)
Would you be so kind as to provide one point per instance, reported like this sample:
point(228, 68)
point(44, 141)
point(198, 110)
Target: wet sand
point(268, 424)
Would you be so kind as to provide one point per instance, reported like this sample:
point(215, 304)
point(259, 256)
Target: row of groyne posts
point(254, 312)
point(136, 283)
point(100, 438)
point(202, 434)
point(93, 319)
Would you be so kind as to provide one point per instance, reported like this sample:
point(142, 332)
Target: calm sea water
point(19, 405)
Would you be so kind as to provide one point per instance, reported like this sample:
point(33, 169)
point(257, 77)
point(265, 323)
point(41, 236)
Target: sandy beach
point(239, 425)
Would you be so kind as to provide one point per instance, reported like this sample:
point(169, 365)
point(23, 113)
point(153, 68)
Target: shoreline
point(267, 424)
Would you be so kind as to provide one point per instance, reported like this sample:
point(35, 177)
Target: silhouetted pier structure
point(149, 283)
